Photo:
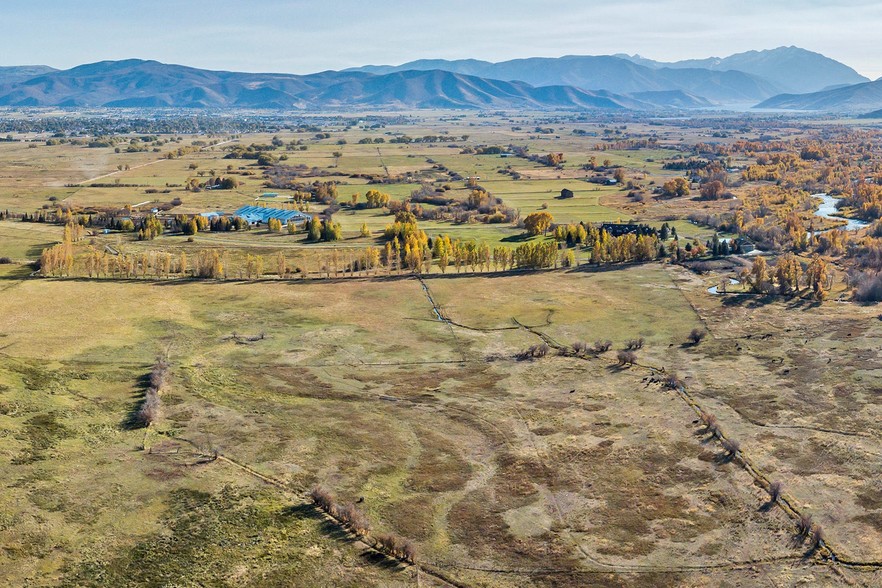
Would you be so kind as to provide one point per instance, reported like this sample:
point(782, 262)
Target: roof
point(260, 214)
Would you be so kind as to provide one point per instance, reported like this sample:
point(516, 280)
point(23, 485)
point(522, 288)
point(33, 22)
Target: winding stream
point(828, 210)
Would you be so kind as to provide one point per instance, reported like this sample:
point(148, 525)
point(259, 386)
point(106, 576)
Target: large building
point(257, 215)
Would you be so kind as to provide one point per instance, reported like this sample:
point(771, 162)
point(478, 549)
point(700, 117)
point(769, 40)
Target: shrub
point(535, 351)
point(396, 547)
point(775, 489)
point(710, 423)
point(633, 344)
point(148, 413)
point(673, 381)
point(602, 346)
point(817, 536)
point(5, 260)
point(580, 348)
point(626, 357)
point(322, 498)
point(731, 447)
point(804, 525)
point(868, 287)
point(696, 336)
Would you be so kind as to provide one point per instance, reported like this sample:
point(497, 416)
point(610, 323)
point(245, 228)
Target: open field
point(553, 471)
point(452, 409)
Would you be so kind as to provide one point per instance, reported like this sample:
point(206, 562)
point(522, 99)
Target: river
point(828, 210)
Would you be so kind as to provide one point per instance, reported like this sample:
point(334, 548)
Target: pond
point(715, 289)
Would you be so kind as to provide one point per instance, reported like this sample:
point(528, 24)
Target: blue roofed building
point(261, 215)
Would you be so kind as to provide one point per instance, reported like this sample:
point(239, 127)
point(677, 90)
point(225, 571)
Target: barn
point(257, 215)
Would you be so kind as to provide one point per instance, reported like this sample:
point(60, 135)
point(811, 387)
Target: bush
point(868, 287)
point(804, 525)
point(673, 381)
point(817, 536)
point(322, 498)
point(731, 447)
point(633, 344)
point(580, 348)
point(710, 423)
point(626, 358)
point(696, 336)
point(535, 351)
point(602, 346)
point(396, 547)
point(775, 489)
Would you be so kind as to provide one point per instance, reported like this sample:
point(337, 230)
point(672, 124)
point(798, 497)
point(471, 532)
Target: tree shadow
point(747, 300)
point(376, 558)
point(132, 420)
point(617, 368)
point(724, 458)
point(803, 304)
point(767, 506)
point(517, 238)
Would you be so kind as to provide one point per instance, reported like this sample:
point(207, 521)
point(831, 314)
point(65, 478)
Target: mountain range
point(787, 77)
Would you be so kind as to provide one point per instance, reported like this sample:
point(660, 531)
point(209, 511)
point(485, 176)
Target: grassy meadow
point(426, 401)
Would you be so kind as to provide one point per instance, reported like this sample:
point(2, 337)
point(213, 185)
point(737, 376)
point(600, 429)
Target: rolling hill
point(773, 78)
point(856, 98)
point(137, 83)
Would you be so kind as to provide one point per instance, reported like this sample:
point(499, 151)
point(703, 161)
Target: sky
point(305, 36)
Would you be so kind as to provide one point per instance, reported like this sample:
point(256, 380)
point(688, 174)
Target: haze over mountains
point(787, 77)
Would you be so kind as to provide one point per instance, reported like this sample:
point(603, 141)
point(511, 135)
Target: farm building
point(256, 215)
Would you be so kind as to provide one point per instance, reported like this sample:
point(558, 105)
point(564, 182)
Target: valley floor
point(555, 471)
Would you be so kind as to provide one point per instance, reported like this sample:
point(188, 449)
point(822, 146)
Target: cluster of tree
point(58, 260)
point(149, 227)
point(224, 224)
point(538, 223)
point(478, 206)
point(627, 144)
point(675, 187)
point(376, 199)
point(552, 159)
point(426, 139)
point(252, 151)
point(149, 411)
point(788, 276)
point(865, 199)
point(629, 247)
point(327, 230)
point(191, 225)
point(353, 520)
point(215, 183)
point(572, 234)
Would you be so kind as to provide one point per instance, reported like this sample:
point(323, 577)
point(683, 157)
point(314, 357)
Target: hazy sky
point(304, 36)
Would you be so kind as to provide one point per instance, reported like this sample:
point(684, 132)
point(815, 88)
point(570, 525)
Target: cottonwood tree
point(538, 222)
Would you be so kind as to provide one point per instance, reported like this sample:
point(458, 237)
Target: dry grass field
point(414, 397)
point(505, 472)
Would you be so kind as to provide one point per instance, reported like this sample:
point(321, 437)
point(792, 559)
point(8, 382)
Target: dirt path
point(139, 166)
